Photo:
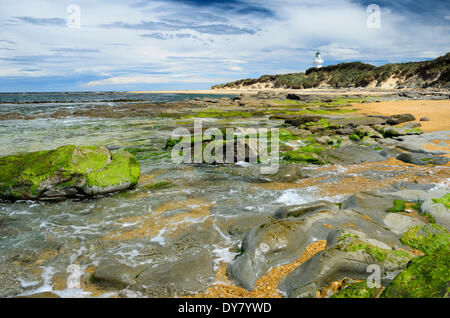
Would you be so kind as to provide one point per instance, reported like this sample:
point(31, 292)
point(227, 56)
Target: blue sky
point(193, 44)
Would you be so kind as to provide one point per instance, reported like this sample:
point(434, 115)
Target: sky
point(127, 45)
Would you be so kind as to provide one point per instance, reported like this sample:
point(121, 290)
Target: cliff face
point(435, 73)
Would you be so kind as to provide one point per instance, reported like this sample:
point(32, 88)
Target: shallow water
point(49, 237)
point(43, 239)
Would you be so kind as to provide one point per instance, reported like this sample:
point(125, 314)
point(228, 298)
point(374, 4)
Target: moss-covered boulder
point(427, 276)
point(427, 238)
point(68, 171)
point(357, 290)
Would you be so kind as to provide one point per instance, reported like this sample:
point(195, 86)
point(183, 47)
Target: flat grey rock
point(283, 240)
point(335, 264)
point(399, 223)
point(352, 154)
point(422, 159)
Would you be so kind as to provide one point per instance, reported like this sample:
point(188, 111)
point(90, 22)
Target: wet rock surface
point(283, 239)
point(422, 159)
point(360, 232)
point(185, 226)
point(344, 261)
point(68, 171)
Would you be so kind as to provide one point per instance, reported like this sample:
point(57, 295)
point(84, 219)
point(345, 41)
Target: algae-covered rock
point(389, 131)
point(429, 275)
point(283, 239)
point(445, 200)
point(357, 290)
point(425, 277)
point(439, 209)
point(68, 171)
point(427, 238)
point(348, 260)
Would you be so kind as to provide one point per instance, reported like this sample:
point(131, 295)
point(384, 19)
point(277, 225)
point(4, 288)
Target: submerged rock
point(189, 274)
point(68, 171)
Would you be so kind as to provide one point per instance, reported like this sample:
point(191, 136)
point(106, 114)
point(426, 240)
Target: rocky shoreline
point(382, 182)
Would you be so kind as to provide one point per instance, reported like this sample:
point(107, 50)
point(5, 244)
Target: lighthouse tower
point(318, 60)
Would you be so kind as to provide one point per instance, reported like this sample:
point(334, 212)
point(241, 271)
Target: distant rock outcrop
point(435, 73)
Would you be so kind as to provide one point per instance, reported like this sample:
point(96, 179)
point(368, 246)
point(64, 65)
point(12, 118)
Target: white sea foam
point(47, 275)
point(72, 293)
point(442, 185)
point(20, 213)
point(296, 196)
point(159, 238)
point(26, 284)
point(222, 255)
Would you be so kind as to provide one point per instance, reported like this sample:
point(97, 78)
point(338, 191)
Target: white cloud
point(125, 80)
point(235, 68)
point(116, 56)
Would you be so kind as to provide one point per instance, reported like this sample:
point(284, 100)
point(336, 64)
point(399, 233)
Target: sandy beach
point(438, 111)
point(318, 91)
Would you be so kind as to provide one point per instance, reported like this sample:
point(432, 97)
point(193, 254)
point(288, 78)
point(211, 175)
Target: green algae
point(124, 168)
point(290, 102)
point(399, 206)
point(293, 156)
point(357, 290)
point(306, 154)
point(445, 200)
point(219, 114)
point(348, 235)
point(157, 185)
point(27, 176)
point(426, 238)
point(413, 131)
point(425, 277)
point(285, 135)
point(381, 254)
point(322, 123)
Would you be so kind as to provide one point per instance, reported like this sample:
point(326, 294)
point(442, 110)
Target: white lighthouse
point(318, 60)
